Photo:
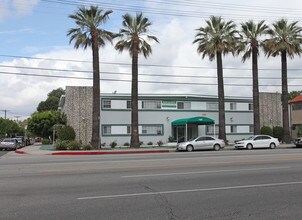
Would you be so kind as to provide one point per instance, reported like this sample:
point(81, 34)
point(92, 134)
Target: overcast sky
point(37, 29)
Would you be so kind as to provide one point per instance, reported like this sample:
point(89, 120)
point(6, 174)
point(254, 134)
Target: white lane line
point(191, 190)
point(203, 172)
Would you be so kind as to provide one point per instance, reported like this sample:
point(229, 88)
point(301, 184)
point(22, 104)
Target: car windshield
point(250, 138)
point(8, 140)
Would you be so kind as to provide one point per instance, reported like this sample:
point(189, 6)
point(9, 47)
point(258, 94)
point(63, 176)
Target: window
point(107, 129)
point(152, 129)
point(209, 139)
point(251, 106)
point(297, 107)
point(210, 129)
point(183, 105)
point(201, 139)
point(251, 128)
point(107, 104)
point(128, 129)
point(233, 128)
point(151, 105)
point(233, 106)
point(128, 104)
point(212, 105)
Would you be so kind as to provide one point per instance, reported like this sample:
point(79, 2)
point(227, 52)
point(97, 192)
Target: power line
point(140, 81)
point(5, 111)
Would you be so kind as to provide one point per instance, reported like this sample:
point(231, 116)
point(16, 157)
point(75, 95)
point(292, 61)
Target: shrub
point(171, 139)
point(160, 143)
point(127, 144)
point(278, 132)
point(150, 143)
point(61, 145)
point(141, 143)
point(66, 133)
point(113, 144)
point(74, 145)
point(45, 141)
point(266, 130)
point(87, 147)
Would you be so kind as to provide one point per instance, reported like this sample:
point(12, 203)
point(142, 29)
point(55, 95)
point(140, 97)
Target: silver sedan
point(202, 142)
point(9, 144)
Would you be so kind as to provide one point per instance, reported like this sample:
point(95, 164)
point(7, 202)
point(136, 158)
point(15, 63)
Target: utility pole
point(17, 117)
point(5, 110)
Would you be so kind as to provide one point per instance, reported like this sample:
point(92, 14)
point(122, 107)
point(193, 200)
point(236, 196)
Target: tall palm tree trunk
point(222, 134)
point(286, 135)
point(255, 91)
point(95, 139)
point(134, 101)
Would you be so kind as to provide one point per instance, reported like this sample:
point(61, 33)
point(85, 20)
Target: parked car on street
point(21, 140)
point(298, 142)
point(9, 144)
point(202, 142)
point(258, 141)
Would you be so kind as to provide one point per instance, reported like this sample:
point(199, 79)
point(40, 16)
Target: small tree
point(66, 133)
point(278, 132)
point(266, 130)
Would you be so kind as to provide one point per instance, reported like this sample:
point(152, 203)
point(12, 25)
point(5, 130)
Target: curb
point(111, 152)
point(20, 152)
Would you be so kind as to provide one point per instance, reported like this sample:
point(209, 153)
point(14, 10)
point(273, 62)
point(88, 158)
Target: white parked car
point(258, 141)
point(202, 142)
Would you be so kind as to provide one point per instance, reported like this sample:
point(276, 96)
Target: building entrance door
point(179, 133)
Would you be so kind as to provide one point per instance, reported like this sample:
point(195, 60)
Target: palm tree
point(217, 38)
point(285, 40)
point(88, 33)
point(133, 37)
point(250, 43)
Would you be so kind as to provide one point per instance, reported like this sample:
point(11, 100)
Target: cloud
point(16, 7)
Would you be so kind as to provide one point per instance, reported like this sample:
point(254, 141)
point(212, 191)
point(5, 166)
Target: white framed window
point(128, 104)
point(106, 129)
point(106, 103)
point(233, 128)
point(184, 105)
point(128, 129)
point(212, 105)
point(151, 104)
point(152, 129)
point(233, 106)
point(210, 129)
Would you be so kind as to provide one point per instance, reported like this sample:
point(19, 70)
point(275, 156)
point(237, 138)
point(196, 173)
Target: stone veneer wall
point(78, 108)
point(270, 109)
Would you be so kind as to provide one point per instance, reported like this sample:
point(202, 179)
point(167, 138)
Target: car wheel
point(272, 146)
point(190, 148)
point(249, 146)
point(216, 147)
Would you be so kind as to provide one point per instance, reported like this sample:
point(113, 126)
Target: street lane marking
point(203, 172)
point(190, 190)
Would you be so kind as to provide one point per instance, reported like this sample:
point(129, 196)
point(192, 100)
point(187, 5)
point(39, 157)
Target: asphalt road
point(3, 152)
point(257, 184)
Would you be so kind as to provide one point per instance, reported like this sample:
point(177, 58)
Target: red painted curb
point(20, 152)
point(112, 152)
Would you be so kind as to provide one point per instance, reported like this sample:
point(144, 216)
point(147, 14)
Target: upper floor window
point(297, 107)
point(151, 104)
point(106, 103)
point(212, 105)
point(233, 129)
point(233, 106)
point(183, 105)
point(251, 106)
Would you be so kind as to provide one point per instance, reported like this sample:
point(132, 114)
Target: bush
point(87, 147)
point(113, 144)
point(278, 132)
point(141, 143)
point(171, 139)
point(66, 133)
point(266, 130)
point(45, 141)
point(61, 145)
point(150, 143)
point(74, 145)
point(126, 144)
point(160, 143)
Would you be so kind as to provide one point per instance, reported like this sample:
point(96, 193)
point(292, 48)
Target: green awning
point(195, 120)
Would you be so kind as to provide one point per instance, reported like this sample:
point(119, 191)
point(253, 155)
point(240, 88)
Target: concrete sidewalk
point(35, 150)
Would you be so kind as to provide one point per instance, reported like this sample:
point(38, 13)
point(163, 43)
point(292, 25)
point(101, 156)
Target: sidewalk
point(35, 150)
